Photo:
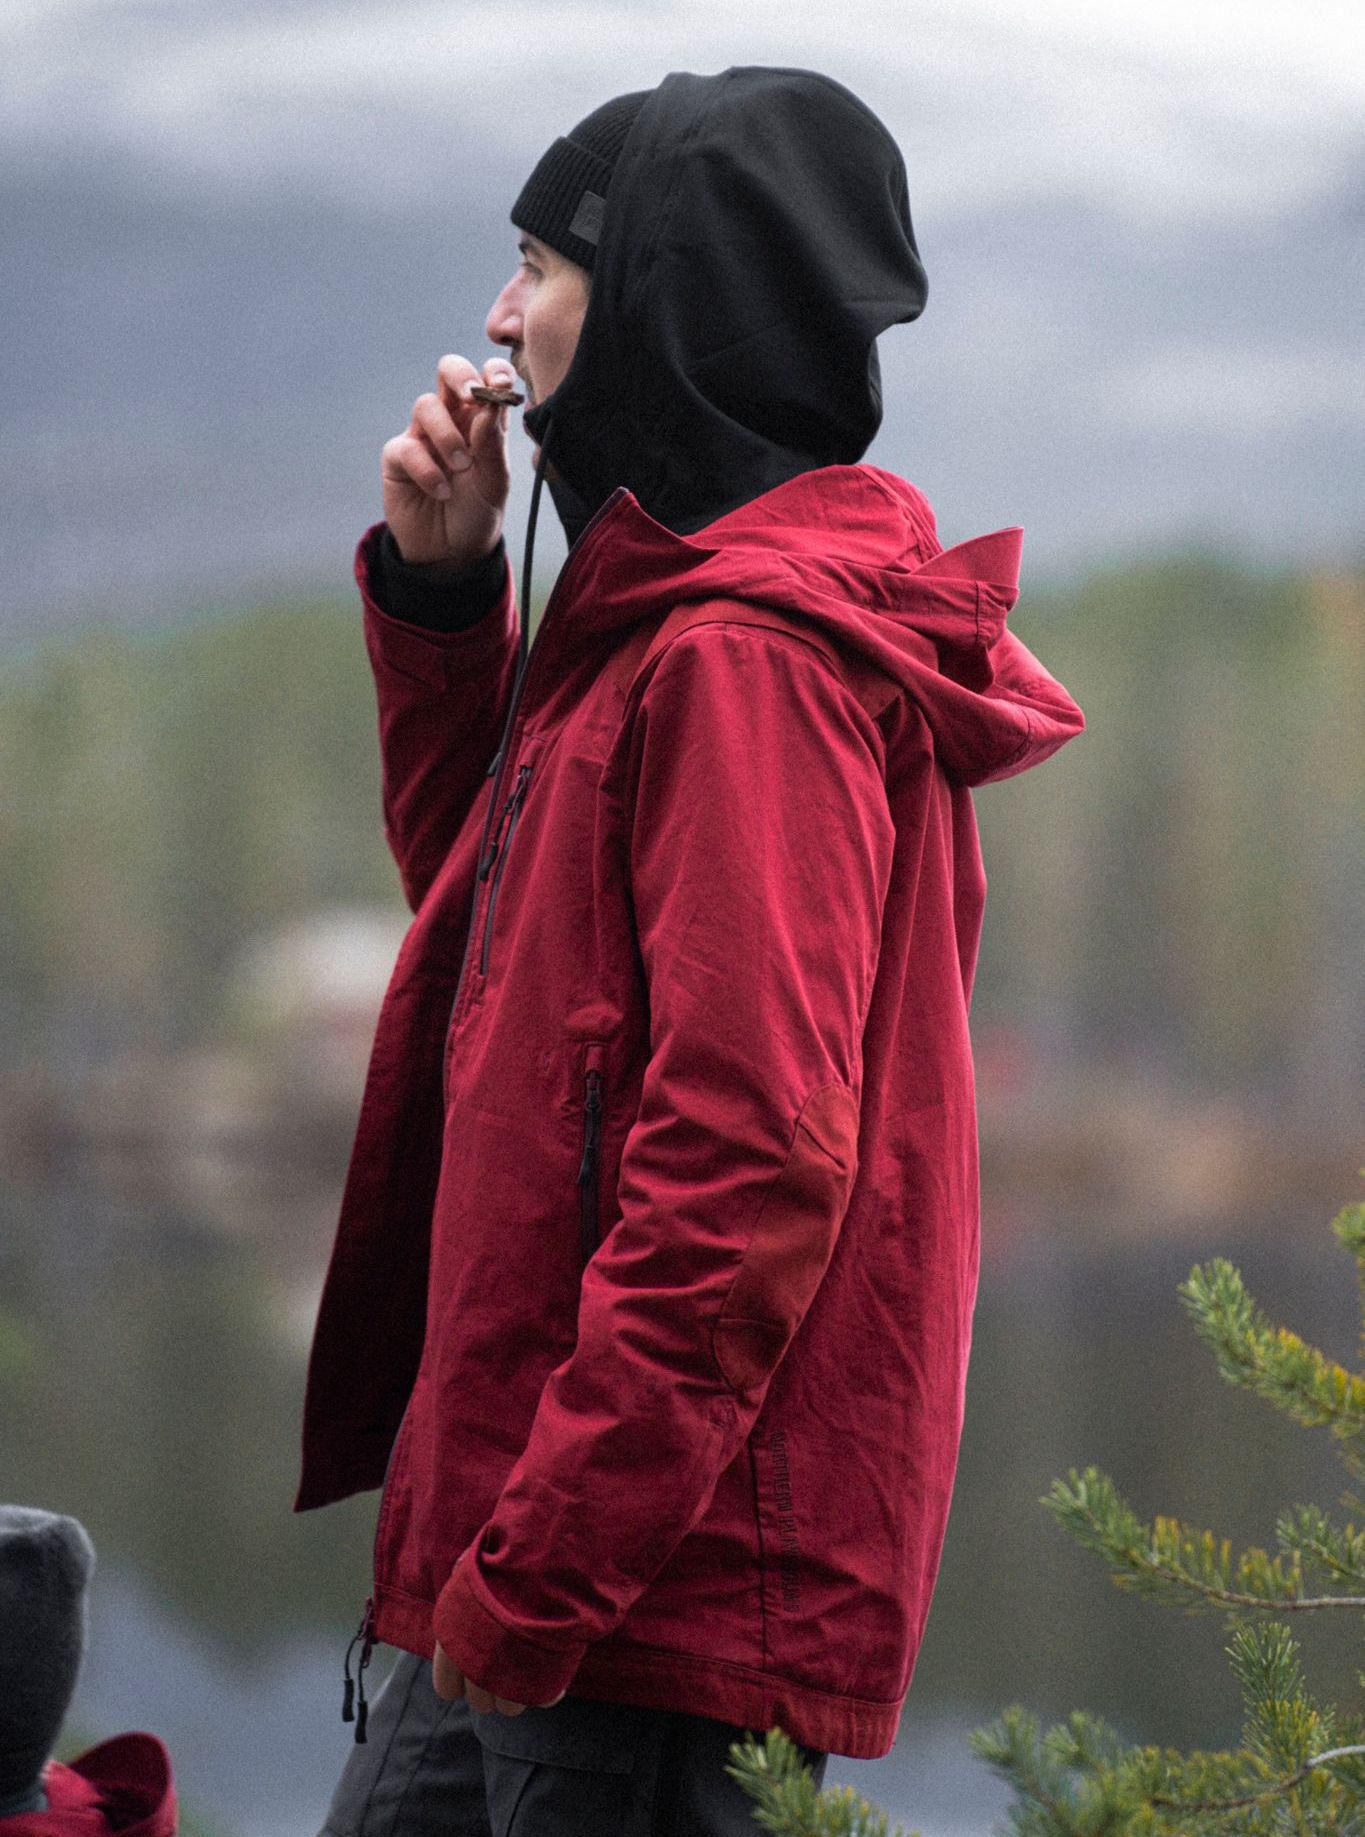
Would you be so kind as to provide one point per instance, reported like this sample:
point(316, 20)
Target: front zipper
point(589, 1182)
point(499, 853)
point(499, 760)
point(358, 1712)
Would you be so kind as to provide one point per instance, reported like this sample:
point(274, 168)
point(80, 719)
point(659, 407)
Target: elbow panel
point(792, 1242)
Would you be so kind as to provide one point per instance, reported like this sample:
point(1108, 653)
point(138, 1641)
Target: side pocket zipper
point(588, 1180)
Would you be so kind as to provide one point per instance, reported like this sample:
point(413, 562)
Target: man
point(652, 1290)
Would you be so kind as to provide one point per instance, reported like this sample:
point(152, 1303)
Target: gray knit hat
point(46, 1562)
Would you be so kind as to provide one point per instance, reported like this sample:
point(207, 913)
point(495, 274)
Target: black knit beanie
point(562, 202)
point(45, 1565)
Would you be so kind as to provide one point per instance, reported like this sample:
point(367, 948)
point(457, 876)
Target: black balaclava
point(749, 237)
point(563, 204)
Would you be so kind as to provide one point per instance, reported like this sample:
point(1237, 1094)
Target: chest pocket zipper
point(497, 853)
point(589, 1182)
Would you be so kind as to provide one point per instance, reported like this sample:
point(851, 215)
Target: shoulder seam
point(757, 627)
point(829, 665)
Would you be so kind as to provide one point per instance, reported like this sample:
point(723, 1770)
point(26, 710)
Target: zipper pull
point(364, 1637)
point(362, 1708)
point(510, 803)
point(486, 865)
point(592, 1106)
point(587, 1172)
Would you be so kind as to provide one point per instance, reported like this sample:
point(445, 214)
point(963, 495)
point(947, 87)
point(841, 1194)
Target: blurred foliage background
point(197, 918)
point(238, 238)
point(1176, 895)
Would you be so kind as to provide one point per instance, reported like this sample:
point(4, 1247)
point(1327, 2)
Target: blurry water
point(151, 1373)
point(260, 1749)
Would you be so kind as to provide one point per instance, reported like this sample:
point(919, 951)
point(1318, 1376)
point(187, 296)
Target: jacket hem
point(618, 1672)
point(404, 1620)
point(655, 1677)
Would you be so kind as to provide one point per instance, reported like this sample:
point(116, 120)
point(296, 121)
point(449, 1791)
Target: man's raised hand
point(445, 478)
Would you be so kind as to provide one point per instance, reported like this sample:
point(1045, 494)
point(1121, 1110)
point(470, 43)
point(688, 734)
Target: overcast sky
point(1169, 110)
point(1143, 220)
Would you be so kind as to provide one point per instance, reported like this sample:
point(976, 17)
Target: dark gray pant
point(577, 1769)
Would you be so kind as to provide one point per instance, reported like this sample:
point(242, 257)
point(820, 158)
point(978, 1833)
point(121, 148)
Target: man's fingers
point(431, 417)
point(453, 376)
point(460, 430)
point(447, 1679)
point(405, 456)
point(499, 374)
point(488, 437)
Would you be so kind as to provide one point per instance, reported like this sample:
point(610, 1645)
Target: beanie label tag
point(587, 222)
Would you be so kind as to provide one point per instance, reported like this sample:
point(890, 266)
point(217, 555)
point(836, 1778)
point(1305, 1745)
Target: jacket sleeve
point(760, 856)
point(443, 698)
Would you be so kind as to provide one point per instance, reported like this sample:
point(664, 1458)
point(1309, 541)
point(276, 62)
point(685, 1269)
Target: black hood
point(756, 239)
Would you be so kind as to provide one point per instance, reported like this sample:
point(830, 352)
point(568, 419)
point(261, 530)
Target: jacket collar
point(837, 536)
point(852, 551)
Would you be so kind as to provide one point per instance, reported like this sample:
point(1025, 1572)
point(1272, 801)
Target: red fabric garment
point(713, 1017)
point(124, 1785)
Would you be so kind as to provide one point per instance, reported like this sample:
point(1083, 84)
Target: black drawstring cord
point(531, 544)
point(351, 1709)
point(524, 647)
point(354, 1708)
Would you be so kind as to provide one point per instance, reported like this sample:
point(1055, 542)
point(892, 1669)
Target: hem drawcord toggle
point(354, 1708)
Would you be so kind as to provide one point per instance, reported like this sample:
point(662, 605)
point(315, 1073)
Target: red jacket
point(660, 1233)
point(122, 1786)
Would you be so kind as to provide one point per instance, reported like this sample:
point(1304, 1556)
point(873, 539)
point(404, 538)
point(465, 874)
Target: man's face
point(539, 314)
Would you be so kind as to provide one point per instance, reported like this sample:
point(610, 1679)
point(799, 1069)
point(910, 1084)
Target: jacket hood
point(756, 239)
point(122, 1788)
point(853, 551)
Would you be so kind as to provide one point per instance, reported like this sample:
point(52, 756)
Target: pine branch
point(1282, 1727)
point(1075, 1780)
point(1273, 1362)
point(1050, 1774)
point(787, 1801)
point(1300, 1769)
point(1335, 1552)
point(1173, 1561)
point(1349, 1229)
point(1274, 1791)
point(1283, 1731)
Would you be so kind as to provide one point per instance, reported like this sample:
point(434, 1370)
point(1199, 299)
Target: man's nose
point(503, 325)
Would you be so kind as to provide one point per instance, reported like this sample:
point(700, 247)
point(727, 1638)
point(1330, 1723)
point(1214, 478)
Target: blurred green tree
point(1175, 893)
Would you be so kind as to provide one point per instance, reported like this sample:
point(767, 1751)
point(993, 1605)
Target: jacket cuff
point(437, 659)
point(468, 1628)
point(412, 593)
